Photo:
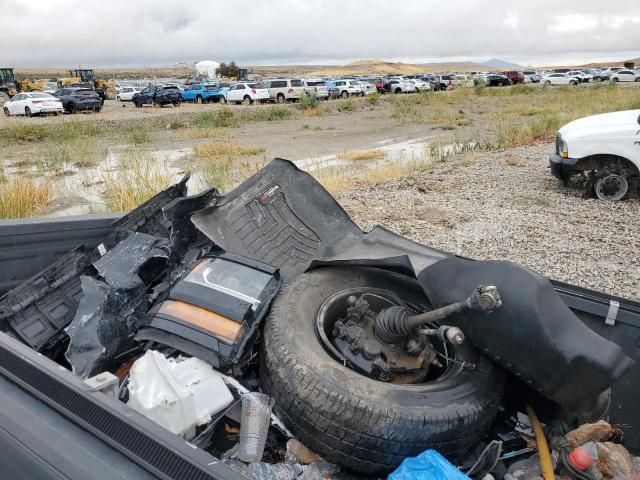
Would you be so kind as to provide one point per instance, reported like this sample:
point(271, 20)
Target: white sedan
point(33, 103)
point(421, 85)
point(558, 79)
point(625, 76)
point(247, 93)
point(126, 94)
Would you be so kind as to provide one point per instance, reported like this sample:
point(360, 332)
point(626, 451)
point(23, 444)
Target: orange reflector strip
point(205, 319)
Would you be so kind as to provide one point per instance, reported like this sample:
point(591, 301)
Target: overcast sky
point(160, 32)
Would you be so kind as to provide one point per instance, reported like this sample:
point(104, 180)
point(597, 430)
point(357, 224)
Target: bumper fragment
point(561, 168)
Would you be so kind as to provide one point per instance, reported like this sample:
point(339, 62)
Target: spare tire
point(359, 423)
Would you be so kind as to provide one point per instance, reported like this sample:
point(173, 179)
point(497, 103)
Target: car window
point(315, 83)
point(240, 87)
point(296, 83)
point(40, 95)
point(253, 85)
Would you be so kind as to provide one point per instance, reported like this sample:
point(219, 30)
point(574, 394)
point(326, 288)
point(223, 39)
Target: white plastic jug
point(176, 394)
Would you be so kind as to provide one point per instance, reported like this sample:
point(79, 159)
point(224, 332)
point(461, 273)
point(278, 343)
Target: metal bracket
point(612, 314)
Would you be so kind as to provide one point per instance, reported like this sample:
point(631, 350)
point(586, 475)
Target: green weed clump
point(219, 117)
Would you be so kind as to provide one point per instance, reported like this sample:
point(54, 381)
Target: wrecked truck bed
point(91, 292)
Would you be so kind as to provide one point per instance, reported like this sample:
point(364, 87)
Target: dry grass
point(216, 161)
point(24, 197)
point(334, 179)
point(224, 148)
point(316, 111)
point(380, 173)
point(138, 180)
point(514, 161)
point(362, 155)
point(199, 133)
point(247, 169)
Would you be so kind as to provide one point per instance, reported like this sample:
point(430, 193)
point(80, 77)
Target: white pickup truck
point(607, 146)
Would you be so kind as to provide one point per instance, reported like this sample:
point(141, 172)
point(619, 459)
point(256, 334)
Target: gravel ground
point(506, 205)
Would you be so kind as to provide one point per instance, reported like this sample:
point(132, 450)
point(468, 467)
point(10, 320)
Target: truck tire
point(357, 422)
point(611, 186)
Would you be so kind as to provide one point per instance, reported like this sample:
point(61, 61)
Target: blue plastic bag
point(429, 465)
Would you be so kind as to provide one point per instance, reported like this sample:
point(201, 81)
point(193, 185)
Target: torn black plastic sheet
point(120, 266)
point(534, 334)
point(38, 310)
point(109, 311)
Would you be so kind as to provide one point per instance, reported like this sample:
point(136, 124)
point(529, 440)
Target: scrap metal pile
point(376, 351)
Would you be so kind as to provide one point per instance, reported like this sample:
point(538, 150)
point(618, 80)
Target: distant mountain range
point(497, 63)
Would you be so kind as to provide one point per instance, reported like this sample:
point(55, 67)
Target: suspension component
point(395, 323)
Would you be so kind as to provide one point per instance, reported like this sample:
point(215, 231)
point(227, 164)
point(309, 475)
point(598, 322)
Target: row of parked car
point(74, 99)
point(67, 99)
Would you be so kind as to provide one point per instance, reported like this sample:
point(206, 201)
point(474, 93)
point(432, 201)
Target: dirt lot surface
point(482, 207)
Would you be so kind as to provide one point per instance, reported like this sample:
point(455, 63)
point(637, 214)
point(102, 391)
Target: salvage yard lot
point(464, 170)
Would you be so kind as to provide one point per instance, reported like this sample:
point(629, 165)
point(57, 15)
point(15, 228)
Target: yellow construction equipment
point(84, 76)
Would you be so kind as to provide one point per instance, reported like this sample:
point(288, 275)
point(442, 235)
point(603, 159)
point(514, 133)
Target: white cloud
point(159, 32)
point(574, 22)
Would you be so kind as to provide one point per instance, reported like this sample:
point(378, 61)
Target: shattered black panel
point(110, 311)
point(534, 334)
point(119, 266)
point(37, 310)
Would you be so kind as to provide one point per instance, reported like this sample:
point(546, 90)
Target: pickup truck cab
point(607, 146)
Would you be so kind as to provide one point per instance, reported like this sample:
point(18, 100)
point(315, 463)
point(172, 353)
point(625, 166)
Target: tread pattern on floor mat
point(274, 234)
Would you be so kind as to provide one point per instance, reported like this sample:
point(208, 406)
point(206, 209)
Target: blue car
point(204, 93)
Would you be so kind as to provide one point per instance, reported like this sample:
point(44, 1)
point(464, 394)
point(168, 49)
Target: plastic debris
point(319, 470)
point(298, 453)
point(177, 394)
point(580, 458)
point(591, 432)
point(254, 425)
point(614, 460)
point(105, 382)
point(429, 464)
point(279, 471)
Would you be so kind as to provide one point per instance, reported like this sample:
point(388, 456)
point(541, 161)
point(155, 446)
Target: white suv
point(282, 90)
point(316, 86)
point(347, 87)
point(247, 93)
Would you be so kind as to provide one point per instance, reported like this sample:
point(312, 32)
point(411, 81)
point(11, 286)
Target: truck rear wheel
point(355, 421)
point(4, 98)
